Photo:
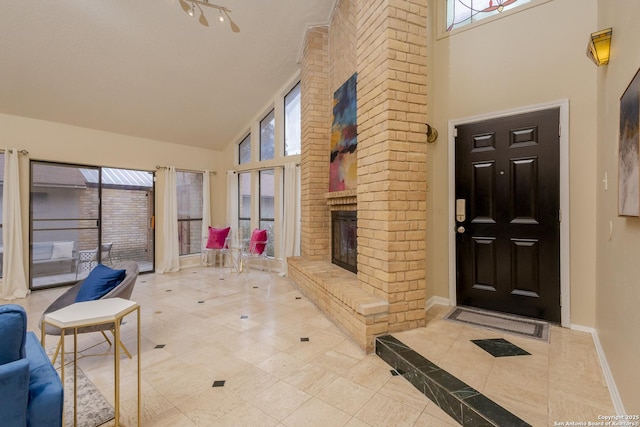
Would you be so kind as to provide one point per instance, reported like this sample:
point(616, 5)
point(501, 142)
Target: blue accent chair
point(31, 393)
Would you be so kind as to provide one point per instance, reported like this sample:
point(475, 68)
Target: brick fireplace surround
point(384, 41)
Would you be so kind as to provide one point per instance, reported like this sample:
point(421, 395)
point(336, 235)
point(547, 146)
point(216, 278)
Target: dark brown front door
point(508, 214)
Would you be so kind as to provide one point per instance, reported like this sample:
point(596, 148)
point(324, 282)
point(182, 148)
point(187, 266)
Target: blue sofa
point(31, 393)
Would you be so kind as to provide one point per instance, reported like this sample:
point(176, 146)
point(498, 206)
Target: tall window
point(464, 12)
point(292, 122)
point(245, 150)
point(267, 136)
point(189, 198)
point(244, 205)
point(261, 176)
point(267, 206)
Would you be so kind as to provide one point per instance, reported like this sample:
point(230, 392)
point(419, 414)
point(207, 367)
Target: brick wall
point(315, 134)
point(126, 223)
point(342, 44)
point(392, 79)
point(87, 208)
point(388, 39)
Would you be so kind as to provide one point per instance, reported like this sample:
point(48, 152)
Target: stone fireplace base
point(337, 293)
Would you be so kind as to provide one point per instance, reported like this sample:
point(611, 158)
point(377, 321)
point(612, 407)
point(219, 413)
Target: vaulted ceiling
point(146, 68)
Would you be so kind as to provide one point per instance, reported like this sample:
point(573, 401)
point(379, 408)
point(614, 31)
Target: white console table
point(91, 313)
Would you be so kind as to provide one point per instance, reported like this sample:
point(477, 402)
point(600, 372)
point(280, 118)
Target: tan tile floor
point(274, 379)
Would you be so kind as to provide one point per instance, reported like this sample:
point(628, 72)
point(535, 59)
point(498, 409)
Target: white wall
point(618, 266)
point(530, 57)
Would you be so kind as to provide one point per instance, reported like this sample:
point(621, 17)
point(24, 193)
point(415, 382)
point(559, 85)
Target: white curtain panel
point(206, 213)
point(170, 261)
point(14, 283)
point(232, 206)
point(290, 242)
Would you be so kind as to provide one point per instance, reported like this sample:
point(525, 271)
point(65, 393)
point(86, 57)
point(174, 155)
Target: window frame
point(245, 140)
point(190, 220)
point(274, 115)
point(441, 17)
point(271, 117)
point(270, 249)
point(242, 232)
point(297, 87)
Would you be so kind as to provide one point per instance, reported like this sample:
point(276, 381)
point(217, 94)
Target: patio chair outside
point(87, 261)
point(105, 252)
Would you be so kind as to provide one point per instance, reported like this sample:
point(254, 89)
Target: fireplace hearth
point(344, 241)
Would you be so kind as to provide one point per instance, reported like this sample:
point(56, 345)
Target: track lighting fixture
point(189, 6)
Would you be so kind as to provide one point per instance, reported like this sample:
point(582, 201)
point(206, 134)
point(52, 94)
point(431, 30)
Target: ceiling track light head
point(223, 12)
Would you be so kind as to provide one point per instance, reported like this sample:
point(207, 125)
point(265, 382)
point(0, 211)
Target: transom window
point(292, 122)
point(244, 151)
point(267, 136)
point(464, 12)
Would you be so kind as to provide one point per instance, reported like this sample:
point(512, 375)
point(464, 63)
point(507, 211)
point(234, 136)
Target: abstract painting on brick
point(344, 137)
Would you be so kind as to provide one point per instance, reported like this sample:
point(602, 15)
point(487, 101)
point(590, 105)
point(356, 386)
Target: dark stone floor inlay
point(244, 317)
point(218, 383)
point(464, 404)
point(304, 339)
point(159, 346)
point(499, 347)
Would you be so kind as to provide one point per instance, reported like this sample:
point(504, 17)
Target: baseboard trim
point(435, 300)
point(608, 376)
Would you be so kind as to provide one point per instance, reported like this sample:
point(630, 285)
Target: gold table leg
point(62, 368)
point(75, 375)
point(139, 370)
point(116, 355)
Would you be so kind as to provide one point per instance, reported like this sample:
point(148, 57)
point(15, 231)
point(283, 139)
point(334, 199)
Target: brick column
point(316, 133)
point(392, 102)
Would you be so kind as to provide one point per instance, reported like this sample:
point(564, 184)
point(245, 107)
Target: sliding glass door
point(127, 217)
point(82, 216)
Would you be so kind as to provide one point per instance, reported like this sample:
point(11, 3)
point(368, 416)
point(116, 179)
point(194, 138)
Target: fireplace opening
point(344, 242)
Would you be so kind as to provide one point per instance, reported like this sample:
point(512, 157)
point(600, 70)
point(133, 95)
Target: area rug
point(93, 408)
point(500, 322)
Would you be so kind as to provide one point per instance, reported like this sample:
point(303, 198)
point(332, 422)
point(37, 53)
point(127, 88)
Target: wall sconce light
point(599, 47)
point(432, 134)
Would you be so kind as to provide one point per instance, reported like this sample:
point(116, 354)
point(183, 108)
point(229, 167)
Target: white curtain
point(170, 261)
point(206, 213)
point(14, 283)
point(290, 242)
point(232, 206)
